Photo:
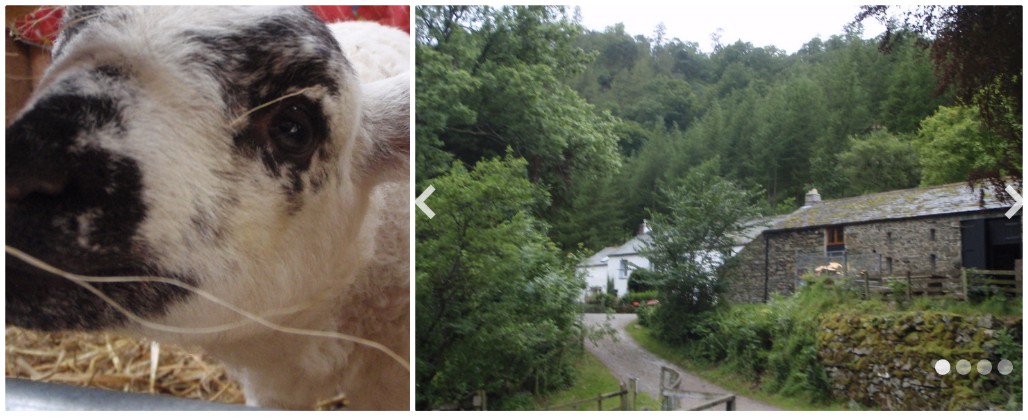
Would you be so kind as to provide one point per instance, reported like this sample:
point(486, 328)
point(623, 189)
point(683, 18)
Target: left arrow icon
point(1018, 201)
point(420, 201)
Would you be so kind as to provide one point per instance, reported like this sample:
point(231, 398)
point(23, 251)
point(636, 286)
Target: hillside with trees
point(596, 130)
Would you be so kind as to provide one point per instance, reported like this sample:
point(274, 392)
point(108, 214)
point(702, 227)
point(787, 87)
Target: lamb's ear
point(385, 127)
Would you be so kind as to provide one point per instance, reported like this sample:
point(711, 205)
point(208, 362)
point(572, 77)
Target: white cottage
point(618, 262)
point(615, 263)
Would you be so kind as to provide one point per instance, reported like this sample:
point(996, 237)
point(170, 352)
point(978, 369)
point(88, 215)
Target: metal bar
point(26, 395)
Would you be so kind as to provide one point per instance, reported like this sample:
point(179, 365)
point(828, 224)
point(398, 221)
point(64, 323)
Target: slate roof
point(891, 205)
point(633, 245)
point(598, 258)
point(758, 227)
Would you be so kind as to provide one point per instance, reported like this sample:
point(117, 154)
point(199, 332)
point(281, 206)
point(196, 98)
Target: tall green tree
point(952, 146)
point(497, 82)
point(978, 52)
point(891, 158)
point(495, 301)
point(688, 246)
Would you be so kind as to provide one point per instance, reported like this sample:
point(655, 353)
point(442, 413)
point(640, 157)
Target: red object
point(41, 27)
point(398, 16)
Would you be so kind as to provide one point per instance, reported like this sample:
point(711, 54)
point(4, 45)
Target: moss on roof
point(899, 204)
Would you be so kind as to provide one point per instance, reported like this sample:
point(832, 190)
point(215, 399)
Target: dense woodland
point(544, 140)
point(605, 119)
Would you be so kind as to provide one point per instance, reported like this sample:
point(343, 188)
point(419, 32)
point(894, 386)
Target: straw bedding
point(128, 364)
point(120, 363)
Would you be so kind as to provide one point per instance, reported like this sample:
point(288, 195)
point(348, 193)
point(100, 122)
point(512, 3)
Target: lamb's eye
point(290, 130)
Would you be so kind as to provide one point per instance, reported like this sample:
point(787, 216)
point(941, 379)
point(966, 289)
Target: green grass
point(720, 376)
point(592, 379)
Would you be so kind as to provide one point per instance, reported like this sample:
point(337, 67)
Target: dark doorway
point(990, 244)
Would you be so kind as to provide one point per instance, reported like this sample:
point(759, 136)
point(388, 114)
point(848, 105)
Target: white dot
point(984, 367)
point(1005, 367)
point(963, 367)
point(942, 366)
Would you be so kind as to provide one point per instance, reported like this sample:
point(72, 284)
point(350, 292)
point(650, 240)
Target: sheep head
point(232, 149)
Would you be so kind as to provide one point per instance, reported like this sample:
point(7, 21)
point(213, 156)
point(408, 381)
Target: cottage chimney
point(812, 198)
point(643, 228)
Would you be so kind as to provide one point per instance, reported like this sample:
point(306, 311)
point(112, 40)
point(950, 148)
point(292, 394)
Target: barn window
point(888, 265)
point(835, 239)
point(932, 234)
point(932, 261)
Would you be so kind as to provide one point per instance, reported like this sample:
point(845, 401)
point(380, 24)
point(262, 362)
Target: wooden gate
point(672, 395)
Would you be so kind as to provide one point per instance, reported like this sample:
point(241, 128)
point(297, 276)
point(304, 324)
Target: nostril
point(19, 189)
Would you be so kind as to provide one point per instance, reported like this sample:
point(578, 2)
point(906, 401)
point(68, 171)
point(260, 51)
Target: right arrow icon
point(1018, 201)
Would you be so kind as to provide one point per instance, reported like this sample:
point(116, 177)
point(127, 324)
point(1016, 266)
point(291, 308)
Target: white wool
point(343, 257)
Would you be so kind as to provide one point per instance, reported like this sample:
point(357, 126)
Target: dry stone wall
point(888, 361)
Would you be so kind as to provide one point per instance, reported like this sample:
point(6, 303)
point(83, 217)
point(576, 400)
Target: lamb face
point(228, 148)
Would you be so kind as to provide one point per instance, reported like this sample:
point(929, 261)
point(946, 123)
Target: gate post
point(963, 279)
point(867, 286)
point(909, 286)
point(633, 393)
point(623, 396)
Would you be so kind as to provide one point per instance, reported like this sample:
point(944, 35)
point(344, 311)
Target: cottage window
point(835, 239)
point(932, 234)
point(932, 261)
point(623, 271)
point(888, 265)
point(888, 237)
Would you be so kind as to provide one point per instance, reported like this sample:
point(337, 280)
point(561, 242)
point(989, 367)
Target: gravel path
point(626, 359)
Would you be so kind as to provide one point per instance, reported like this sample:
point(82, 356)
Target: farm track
point(626, 358)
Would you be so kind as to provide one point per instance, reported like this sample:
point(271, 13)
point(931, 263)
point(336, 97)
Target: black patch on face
point(61, 193)
point(265, 61)
point(257, 142)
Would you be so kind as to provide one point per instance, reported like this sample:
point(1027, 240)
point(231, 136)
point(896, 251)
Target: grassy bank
point(591, 379)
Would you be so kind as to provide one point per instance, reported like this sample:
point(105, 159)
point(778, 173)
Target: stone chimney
point(812, 198)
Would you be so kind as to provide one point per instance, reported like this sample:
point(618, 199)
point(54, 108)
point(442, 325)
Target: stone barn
point(930, 230)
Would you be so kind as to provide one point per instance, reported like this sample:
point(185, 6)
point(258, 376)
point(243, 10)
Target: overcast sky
point(785, 27)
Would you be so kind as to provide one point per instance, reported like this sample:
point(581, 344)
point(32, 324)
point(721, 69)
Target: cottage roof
point(757, 227)
point(631, 247)
point(899, 204)
point(598, 258)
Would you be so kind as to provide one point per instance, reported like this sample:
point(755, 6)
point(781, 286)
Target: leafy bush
point(641, 280)
point(774, 343)
point(641, 297)
point(645, 315)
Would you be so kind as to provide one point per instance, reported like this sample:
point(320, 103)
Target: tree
point(494, 80)
point(891, 159)
point(952, 146)
point(689, 244)
point(978, 52)
point(496, 305)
